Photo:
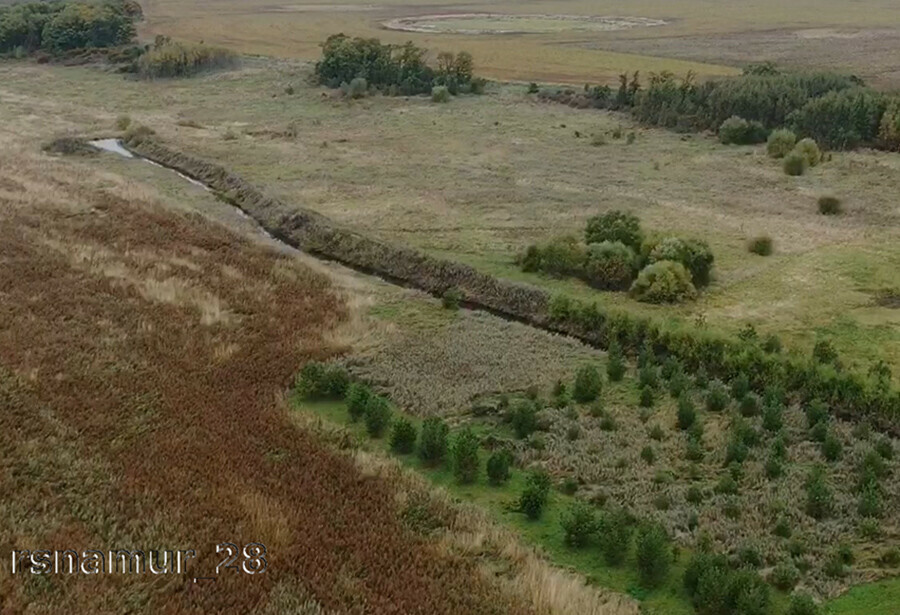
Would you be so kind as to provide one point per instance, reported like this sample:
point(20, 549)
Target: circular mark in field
point(498, 23)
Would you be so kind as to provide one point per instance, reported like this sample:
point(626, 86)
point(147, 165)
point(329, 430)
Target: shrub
point(803, 604)
point(648, 454)
point(773, 417)
point(588, 384)
point(663, 282)
point(614, 226)
point(377, 415)
point(761, 245)
point(357, 88)
point(782, 528)
point(615, 536)
point(694, 495)
point(819, 499)
point(648, 376)
point(784, 576)
point(579, 523)
point(716, 396)
point(884, 448)
point(825, 352)
point(829, 205)
point(795, 164)
point(123, 122)
point(534, 496)
point(809, 150)
point(890, 558)
point(403, 436)
point(832, 447)
point(440, 94)
point(647, 398)
point(687, 414)
point(137, 134)
point(433, 443)
point(781, 142)
point(562, 256)
point(533, 88)
point(653, 555)
point(694, 254)
point(738, 131)
point(322, 381)
point(889, 130)
point(465, 456)
point(871, 503)
point(615, 362)
point(740, 386)
point(750, 404)
point(357, 399)
point(451, 298)
point(610, 265)
point(498, 465)
point(524, 418)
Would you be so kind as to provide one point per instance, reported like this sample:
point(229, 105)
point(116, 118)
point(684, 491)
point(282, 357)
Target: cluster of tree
point(167, 58)
point(356, 64)
point(838, 111)
point(821, 376)
point(616, 255)
point(434, 446)
point(62, 26)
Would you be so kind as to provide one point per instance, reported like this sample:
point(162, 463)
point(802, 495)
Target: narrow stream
point(115, 146)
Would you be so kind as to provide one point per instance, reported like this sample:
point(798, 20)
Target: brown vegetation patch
point(129, 422)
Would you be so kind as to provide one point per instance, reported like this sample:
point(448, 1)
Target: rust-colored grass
point(141, 357)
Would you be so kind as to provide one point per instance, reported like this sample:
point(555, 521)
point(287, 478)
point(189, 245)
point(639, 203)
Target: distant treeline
point(393, 69)
point(56, 27)
point(838, 111)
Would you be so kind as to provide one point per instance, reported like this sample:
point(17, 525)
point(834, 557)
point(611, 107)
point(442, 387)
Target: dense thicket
point(393, 69)
point(167, 58)
point(61, 26)
point(838, 111)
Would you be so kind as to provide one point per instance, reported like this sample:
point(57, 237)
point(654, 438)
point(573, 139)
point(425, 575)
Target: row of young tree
point(616, 254)
point(362, 63)
point(838, 111)
point(56, 27)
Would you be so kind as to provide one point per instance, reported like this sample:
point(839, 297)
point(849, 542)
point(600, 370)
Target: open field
point(481, 178)
point(691, 40)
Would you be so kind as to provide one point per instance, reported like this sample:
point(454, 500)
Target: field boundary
point(850, 395)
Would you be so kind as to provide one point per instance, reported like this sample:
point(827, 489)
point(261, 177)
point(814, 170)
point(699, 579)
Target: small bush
point(749, 405)
point(137, 134)
point(579, 523)
point(663, 282)
point(727, 485)
point(687, 414)
point(403, 436)
point(740, 386)
point(784, 576)
point(885, 448)
point(498, 465)
point(123, 122)
point(890, 558)
point(588, 384)
point(615, 362)
point(378, 415)
point(433, 443)
point(809, 150)
point(694, 495)
point(648, 376)
point(795, 164)
point(716, 396)
point(819, 498)
point(533, 88)
point(803, 604)
point(832, 447)
point(738, 131)
point(614, 226)
point(648, 454)
point(780, 143)
point(774, 468)
point(654, 555)
point(534, 496)
point(647, 397)
point(357, 399)
point(761, 245)
point(440, 94)
point(322, 381)
point(782, 528)
point(172, 59)
point(524, 418)
point(615, 536)
point(773, 417)
point(829, 205)
point(465, 456)
point(871, 500)
point(562, 256)
point(452, 298)
point(694, 254)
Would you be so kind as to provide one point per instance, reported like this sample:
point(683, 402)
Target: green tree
point(433, 444)
point(465, 456)
point(588, 384)
point(654, 554)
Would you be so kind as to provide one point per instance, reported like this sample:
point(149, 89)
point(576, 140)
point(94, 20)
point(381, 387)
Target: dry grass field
point(822, 33)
